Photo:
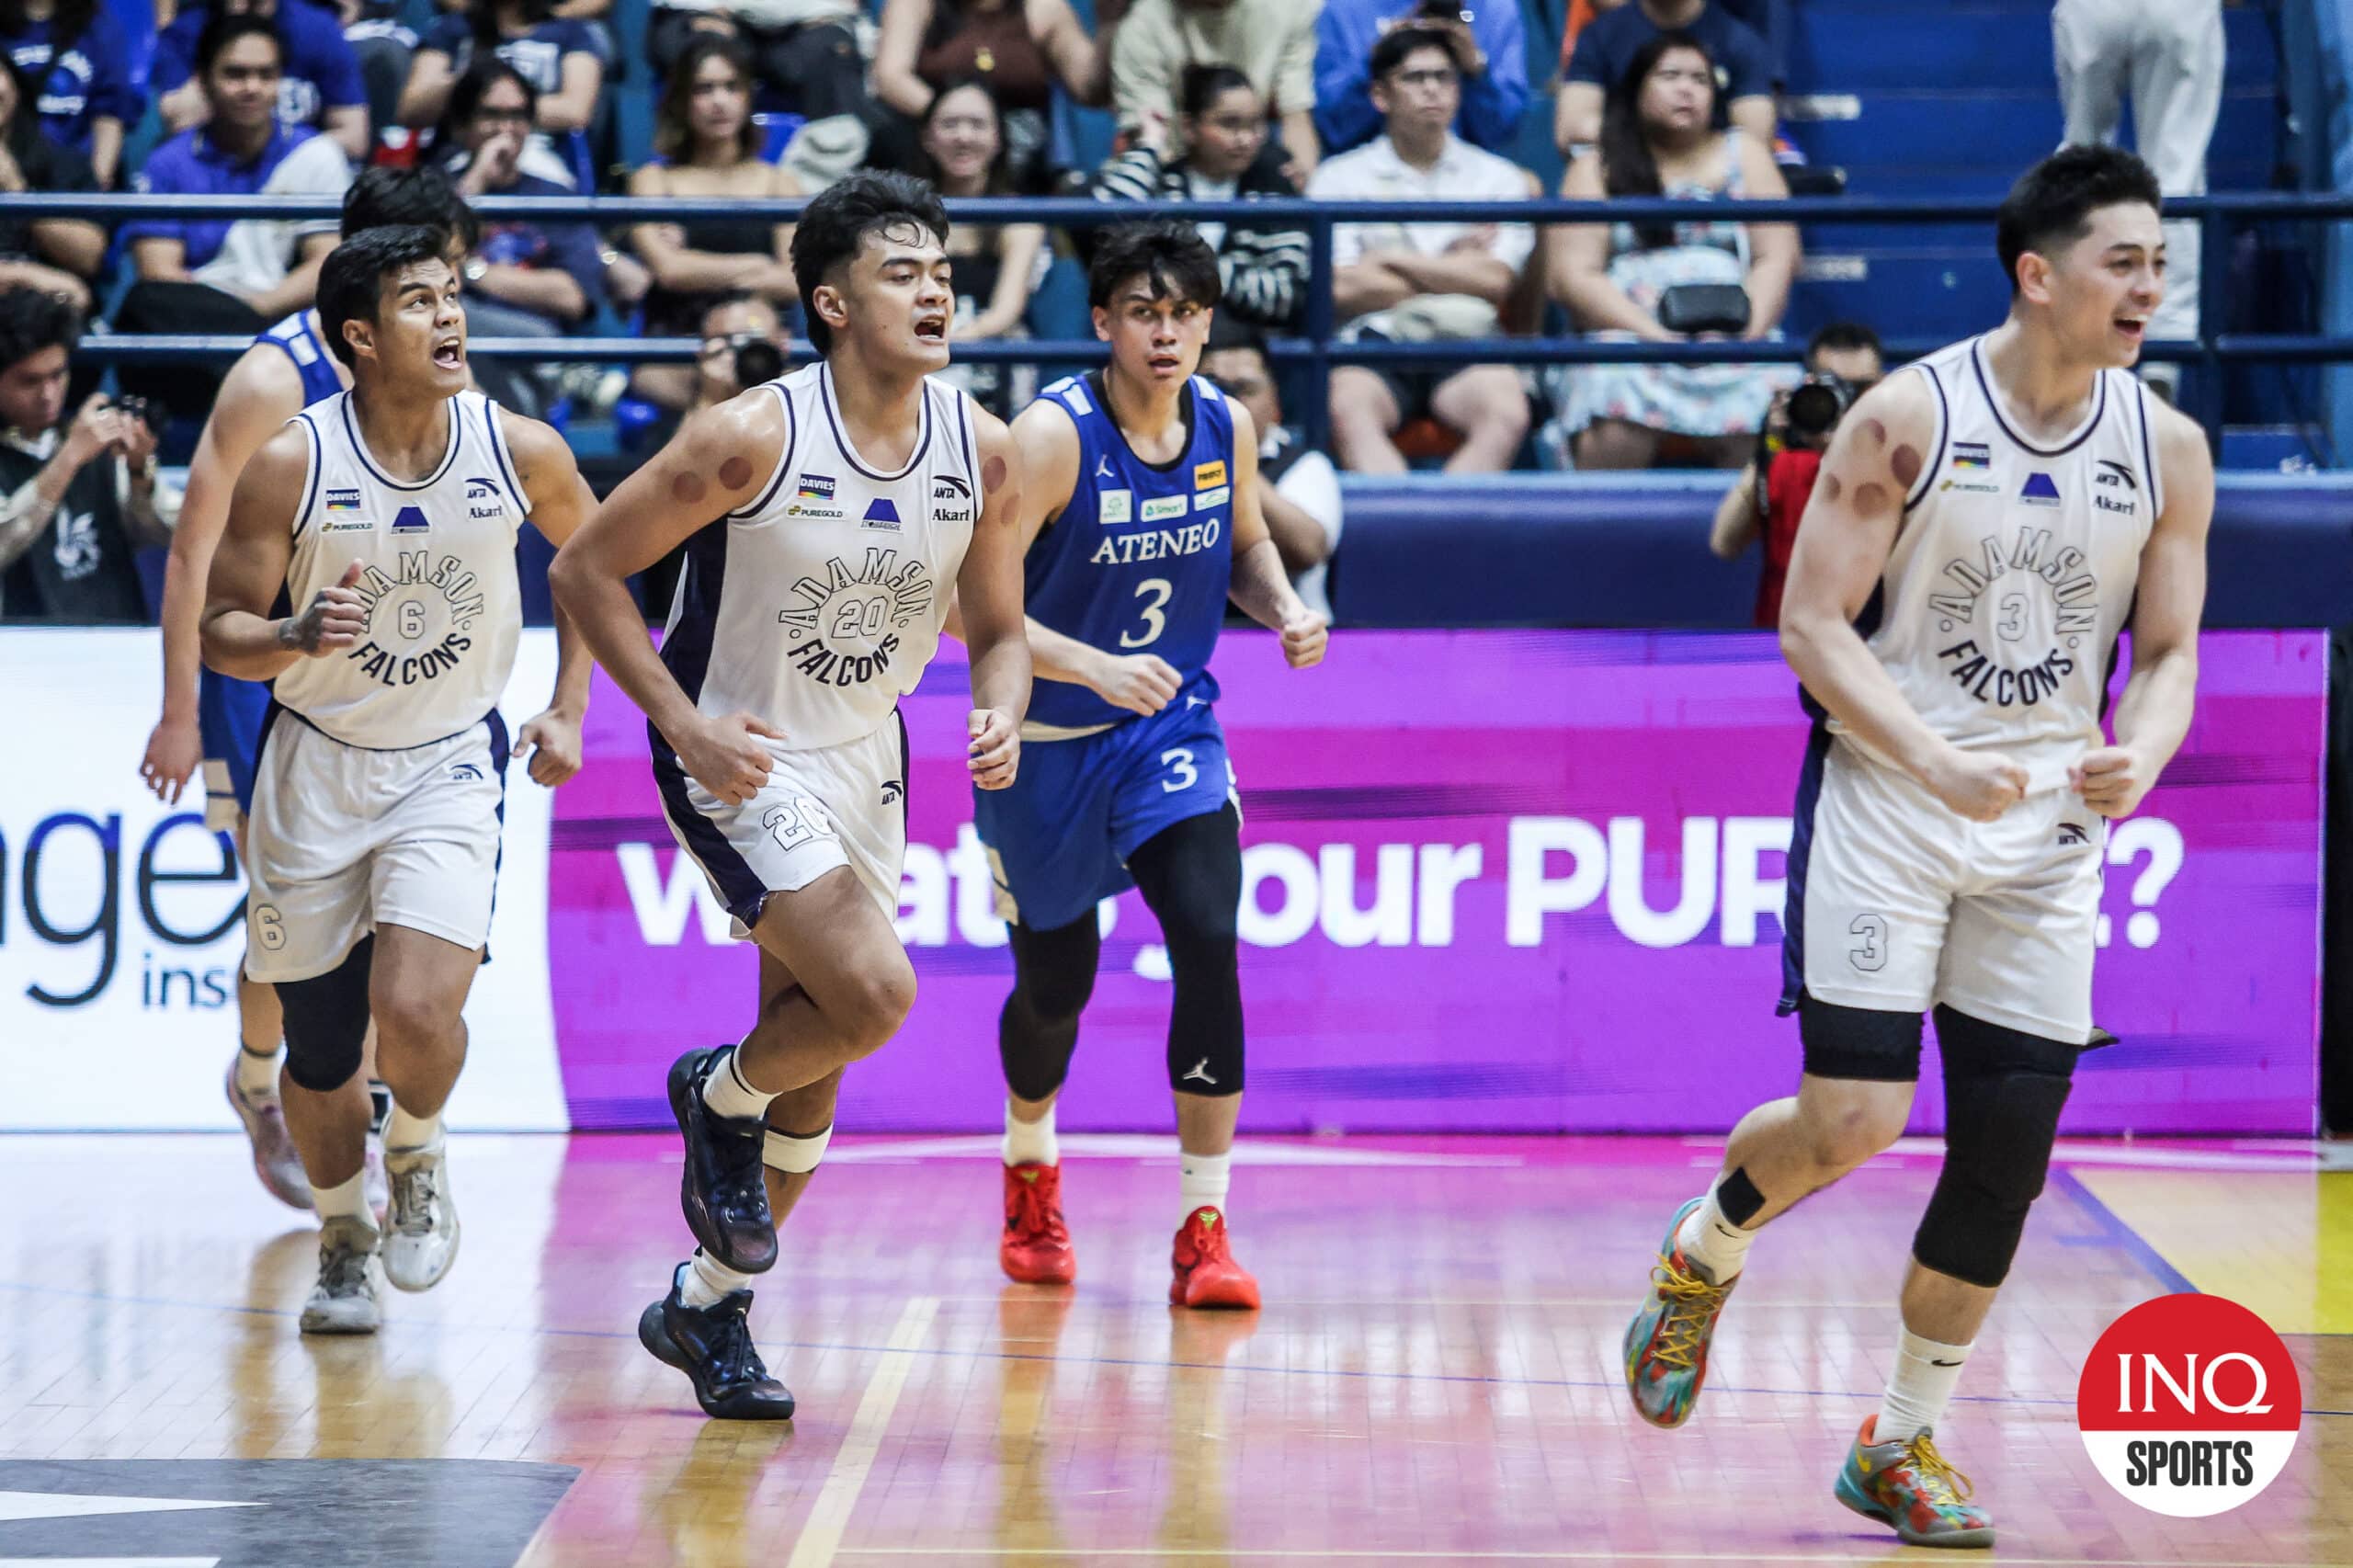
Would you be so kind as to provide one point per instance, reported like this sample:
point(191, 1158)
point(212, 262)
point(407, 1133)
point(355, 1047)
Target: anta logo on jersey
point(2114, 476)
point(408, 619)
point(2036, 601)
point(480, 490)
point(951, 499)
point(840, 629)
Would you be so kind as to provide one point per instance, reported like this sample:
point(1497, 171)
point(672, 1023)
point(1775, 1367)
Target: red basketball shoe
point(1035, 1248)
point(1206, 1274)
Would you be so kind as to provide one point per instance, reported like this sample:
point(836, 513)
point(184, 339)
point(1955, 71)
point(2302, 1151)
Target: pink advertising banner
point(1519, 882)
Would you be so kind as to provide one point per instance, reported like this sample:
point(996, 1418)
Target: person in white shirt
point(1298, 490)
point(1422, 281)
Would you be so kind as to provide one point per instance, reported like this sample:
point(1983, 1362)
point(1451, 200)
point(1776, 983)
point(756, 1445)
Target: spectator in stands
point(382, 45)
point(1270, 41)
point(523, 279)
point(1657, 140)
point(215, 274)
point(558, 56)
point(998, 266)
point(1606, 46)
point(1298, 490)
point(1221, 130)
point(806, 51)
point(56, 255)
point(707, 145)
point(731, 325)
point(1843, 362)
point(1488, 43)
point(75, 67)
point(2168, 54)
point(1424, 280)
point(319, 86)
point(1019, 48)
point(78, 498)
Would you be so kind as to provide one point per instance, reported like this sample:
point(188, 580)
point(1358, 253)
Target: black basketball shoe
point(726, 1202)
point(713, 1347)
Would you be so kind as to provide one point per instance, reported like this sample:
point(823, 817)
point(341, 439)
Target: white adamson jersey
point(437, 558)
point(816, 605)
point(2015, 568)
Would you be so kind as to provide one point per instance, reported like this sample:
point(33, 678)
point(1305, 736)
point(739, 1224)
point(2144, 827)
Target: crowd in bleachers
point(1126, 100)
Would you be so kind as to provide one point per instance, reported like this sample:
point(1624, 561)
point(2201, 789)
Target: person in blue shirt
point(1488, 45)
point(1604, 51)
point(75, 64)
point(320, 85)
point(1139, 506)
point(562, 58)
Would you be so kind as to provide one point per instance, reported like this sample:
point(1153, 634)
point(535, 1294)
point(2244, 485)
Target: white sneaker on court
point(275, 1161)
point(349, 1298)
point(423, 1239)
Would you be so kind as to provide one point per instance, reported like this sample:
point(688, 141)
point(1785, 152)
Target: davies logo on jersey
point(2037, 599)
point(840, 628)
point(439, 617)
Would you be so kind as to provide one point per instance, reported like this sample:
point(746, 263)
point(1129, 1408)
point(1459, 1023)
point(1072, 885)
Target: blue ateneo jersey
point(302, 343)
point(1141, 560)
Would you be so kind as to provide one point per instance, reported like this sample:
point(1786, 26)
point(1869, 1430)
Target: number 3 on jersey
point(1156, 590)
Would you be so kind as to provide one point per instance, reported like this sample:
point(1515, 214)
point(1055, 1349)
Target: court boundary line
point(2132, 1242)
point(979, 1354)
point(821, 1538)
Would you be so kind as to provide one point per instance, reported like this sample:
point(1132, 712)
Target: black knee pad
point(1053, 974)
point(2003, 1091)
point(326, 1021)
point(1190, 876)
point(1858, 1043)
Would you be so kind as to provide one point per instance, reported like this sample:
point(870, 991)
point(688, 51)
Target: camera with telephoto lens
point(758, 361)
point(140, 409)
point(1818, 403)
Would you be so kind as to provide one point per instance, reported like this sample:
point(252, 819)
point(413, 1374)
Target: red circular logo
point(2190, 1404)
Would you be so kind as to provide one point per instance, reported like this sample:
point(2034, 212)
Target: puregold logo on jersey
point(844, 629)
point(435, 598)
point(2034, 599)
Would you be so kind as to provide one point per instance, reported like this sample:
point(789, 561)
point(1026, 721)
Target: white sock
point(346, 1200)
point(257, 1074)
point(1202, 1179)
point(728, 1094)
point(1714, 1242)
point(708, 1280)
point(1925, 1375)
point(406, 1131)
point(1031, 1143)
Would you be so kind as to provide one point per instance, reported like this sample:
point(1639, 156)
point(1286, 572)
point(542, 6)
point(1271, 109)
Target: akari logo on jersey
point(2190, 1406)
point(2114, 476)
point(951, 499)
point(480, 490)
point(1206, 475)
point(2040, 489)
point(881, 515)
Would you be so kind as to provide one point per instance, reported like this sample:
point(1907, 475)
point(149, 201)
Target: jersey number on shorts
point(1157, 589)
point(1872, 955)
point(1185, 774)
point(269, 928)
point(796, 823)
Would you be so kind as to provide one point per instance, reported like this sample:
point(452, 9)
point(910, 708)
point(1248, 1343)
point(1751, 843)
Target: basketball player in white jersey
point(388, 513)
point(212, 722)
point(829, 519)
point(1987, 522)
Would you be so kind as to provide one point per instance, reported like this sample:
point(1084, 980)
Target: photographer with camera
point(78, 498)
point(1768, 498)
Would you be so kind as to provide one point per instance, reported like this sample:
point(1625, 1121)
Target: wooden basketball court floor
point(1433, 1379)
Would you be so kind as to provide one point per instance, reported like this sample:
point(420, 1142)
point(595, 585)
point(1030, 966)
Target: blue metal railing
point(2217, 216)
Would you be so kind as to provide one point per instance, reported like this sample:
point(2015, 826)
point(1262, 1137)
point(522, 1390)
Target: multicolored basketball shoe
point(1913, 1487)
point(1034, 1248)
point(1205, 1274)
point(1666, 1344)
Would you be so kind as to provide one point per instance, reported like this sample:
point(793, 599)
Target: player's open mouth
point(932, 329)
point(2133, 327)
point(450, 355)
point(1165, 362)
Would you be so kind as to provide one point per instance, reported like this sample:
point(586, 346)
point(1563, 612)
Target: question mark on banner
point(2161, 841)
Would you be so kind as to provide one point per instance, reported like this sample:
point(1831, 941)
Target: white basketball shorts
point(1901, 904)
point(343, 839)
point(844, 805)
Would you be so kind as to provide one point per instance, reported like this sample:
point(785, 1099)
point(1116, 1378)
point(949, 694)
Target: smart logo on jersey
point(1207, 474)
point(1160, 508)
point(881, 515)
point(2040, 489)
point(2190, 1406)
point(841, 628)
point(2010, 605)
point(411, 520)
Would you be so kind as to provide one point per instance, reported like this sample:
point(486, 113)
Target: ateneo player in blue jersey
point(212, 721)
point(1141, 520)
